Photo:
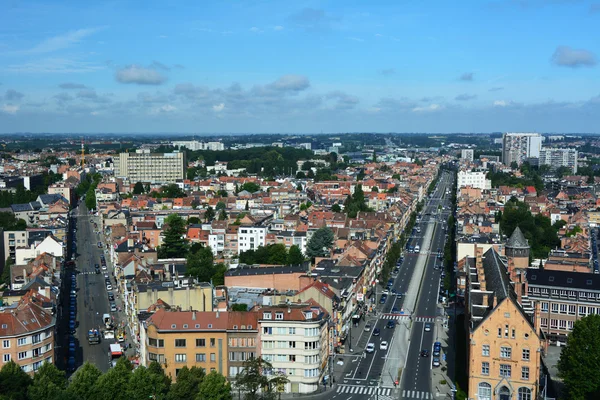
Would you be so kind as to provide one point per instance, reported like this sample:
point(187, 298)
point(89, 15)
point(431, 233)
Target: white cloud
point(429, 108)
point(139, 75)
point(60, 42)
point(278, 28)
point(355, 39)
point(218, 107)
point(9, 108)
point(167, 108)
point(95, 113)
point(256, 30)
point(565, 56)
point(54, 65)
point(500, 103)
point(290, 83)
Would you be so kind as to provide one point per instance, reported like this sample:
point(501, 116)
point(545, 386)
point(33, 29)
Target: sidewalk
point(441, 382)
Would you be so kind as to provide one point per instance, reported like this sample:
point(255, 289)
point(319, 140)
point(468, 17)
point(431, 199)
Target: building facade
point(474, 179)
point(251, 237)
point(557, 158)
point(564, 297)
point(176, 339)
point(467, 155)
point(27, 335)
point(242, 340)
point(294, 338)
point(143, 166)
point(519, 147)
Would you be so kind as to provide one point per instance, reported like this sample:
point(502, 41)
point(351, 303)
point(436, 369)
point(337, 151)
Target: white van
point(417, 249)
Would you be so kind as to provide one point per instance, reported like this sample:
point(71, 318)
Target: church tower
point(518, 249)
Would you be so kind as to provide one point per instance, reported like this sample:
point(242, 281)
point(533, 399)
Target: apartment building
point(295, 340)
point(27, 335)
point(556, 158)
point(467, 155)
point(564, 297)
point(195, 145)
point(177, 339)
point(242, 339)
point(251, 237)
point(143, 166)
point(519, 147)
point(474, 179)
point(504, 342)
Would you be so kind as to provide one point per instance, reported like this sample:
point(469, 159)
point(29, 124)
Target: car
point(385, 292)
point(383, 299)
point(391, 324)
point(437, 348)
point(370, 348)
point(393, 291)
point(108, 286)
point(367, 327)
point(113, 307)
point(396, 270)
point(399, 295)
point(427, 327)
point(436, 361)
point(99, 245)
point(73, 293)
point(424, 353)
point(106, 276)
point(376, 332)
point(390, 282)
point(103, 267)
point(383, 345)
point(395, 310)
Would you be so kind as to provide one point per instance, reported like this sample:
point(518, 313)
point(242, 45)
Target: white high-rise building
point(143, 166)
point(467, 154)
point(475, 179)
point(518, 147)
point(195, 145)
point(557, 158)
point(251, 237)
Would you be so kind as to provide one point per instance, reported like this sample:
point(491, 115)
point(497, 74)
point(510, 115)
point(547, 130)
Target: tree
point(251, 187)
point(239, 307)
point(223, 215)
point(300, 175)
point(336, 208)
point(193, 220)
point(114, 383)
point(375, 189)
point(247, 206)
point(200, 264)
point(9, 222)
point(138, 188)
point(221, 205)
point(209, 214)
point(187, 385)
point(295, 256)
point(14, 382)
point(320, 243)
point(252, 377)
point(82, 384)
point(48, 383)
point(6, 271)
point(90, 198)
point(214, 386)
point(174, 244)
point(71, 162)
point(580, 360)
point(146, 384)
point(277, 254)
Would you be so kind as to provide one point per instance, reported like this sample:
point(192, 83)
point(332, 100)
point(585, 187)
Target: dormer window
point(279, 316)
point(308, 314)
point(266, 315)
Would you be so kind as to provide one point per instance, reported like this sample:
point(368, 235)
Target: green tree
point(6, 271)
point(14, 382)
point(252, 377)
point(174, 243)
point(300, 175)
point(146, 384)
point(375, 189)
point(90, 198)
point(250, 187)
point(71, 162)
point(221, 206)
point(193, 220)
point(48, 383)
point(9, 222)
point(114, 383)
point(336, 208)
point(247, 206)
point(580, 360)
point(239, 307)
point(82, 384)
point(187, 385)
point(223, 215)
point(320, 243)
point(138, 188)
point(295, 256)
point(277, 254)
point(209, 214)
point(214, 386)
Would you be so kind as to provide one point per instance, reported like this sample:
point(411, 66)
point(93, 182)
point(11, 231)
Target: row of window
point(242, 342)
point(565, 293)
point(22, 341)
point(314, 359)
point(241, 355)
point(36, 365)
point(557, 323)
point(22, 355)
point(570, 309)
point(506, 352)
point(505, 370)
point(484, 392)
point(181, 358)
point(180, 342)
point(267, 330)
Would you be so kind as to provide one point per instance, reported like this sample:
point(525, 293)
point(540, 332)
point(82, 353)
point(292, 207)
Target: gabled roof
point(517, 240)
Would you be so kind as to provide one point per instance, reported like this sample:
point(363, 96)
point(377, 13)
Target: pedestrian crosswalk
point(368, 390)
point(416, 394)
point(406, 317)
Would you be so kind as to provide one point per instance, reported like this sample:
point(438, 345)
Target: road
point(92, 299)
point(373, 375)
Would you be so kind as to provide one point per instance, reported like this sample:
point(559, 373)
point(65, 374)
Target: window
point(544, 306)
point(156, 342)
point(200, 357)
point(267, 330)
point(524, 393)
point(544, 322)
point(266, 315)
point(526, 354)
point(231, 356)
point(485, 350)
point(22, 355)
point(213, 357)
point(291, 331)
point(22, 341)
point(505, 370)
point(152, 357)
point(499, 332)
point(485, 368)
point(6, 344)
point(562, 324)
point(505, 331)
point(554, 307)
point(505, 352)
point(180, 358)
point(279, 316)
point(513, 333)
point(292, 358)
point(292, 345)
point(570, 325)
point(200, 342)
point(572, 309)
point(563, 308)
point(582, 311)
point(6, 358)
point(553, 323)
point(525, 373)
point(36, 338)
point(179, 342)
point(484, 391)
point(212, 342)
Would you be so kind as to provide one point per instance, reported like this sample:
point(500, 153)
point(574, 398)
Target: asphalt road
point(92, 299)
point(363, 371)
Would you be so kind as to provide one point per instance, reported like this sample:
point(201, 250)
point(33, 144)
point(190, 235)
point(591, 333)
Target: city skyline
point(302, 67)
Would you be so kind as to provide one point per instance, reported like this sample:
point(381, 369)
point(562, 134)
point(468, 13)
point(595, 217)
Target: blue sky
point(292, 66)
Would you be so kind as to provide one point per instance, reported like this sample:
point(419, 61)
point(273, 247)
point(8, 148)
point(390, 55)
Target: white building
point(49, 245)
point(251, 237)
point(143, 166)
point(467, 155)
point(557, 158)
point(195, 145)
point(518, 147)
point(216, 241)
point(475, 179)
point(295, 340)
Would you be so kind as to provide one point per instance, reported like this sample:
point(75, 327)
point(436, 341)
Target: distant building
point(467, 154)
point(475, 179)
point(557, 158)
point(518, 147)
point(195, 145)
point(143, 166)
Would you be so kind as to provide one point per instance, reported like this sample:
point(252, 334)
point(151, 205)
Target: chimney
point(289, 310)
point(24, 276)
point(217, 313)
point(536, 317)
point(193, 315)
point(494, 301)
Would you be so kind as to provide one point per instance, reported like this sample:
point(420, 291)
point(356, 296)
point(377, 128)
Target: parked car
point(383, 345)
point(436, 361)
point(437, 348)
point(424, 353)
point(367, 327)
point(370, 348)
point(383, 299)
